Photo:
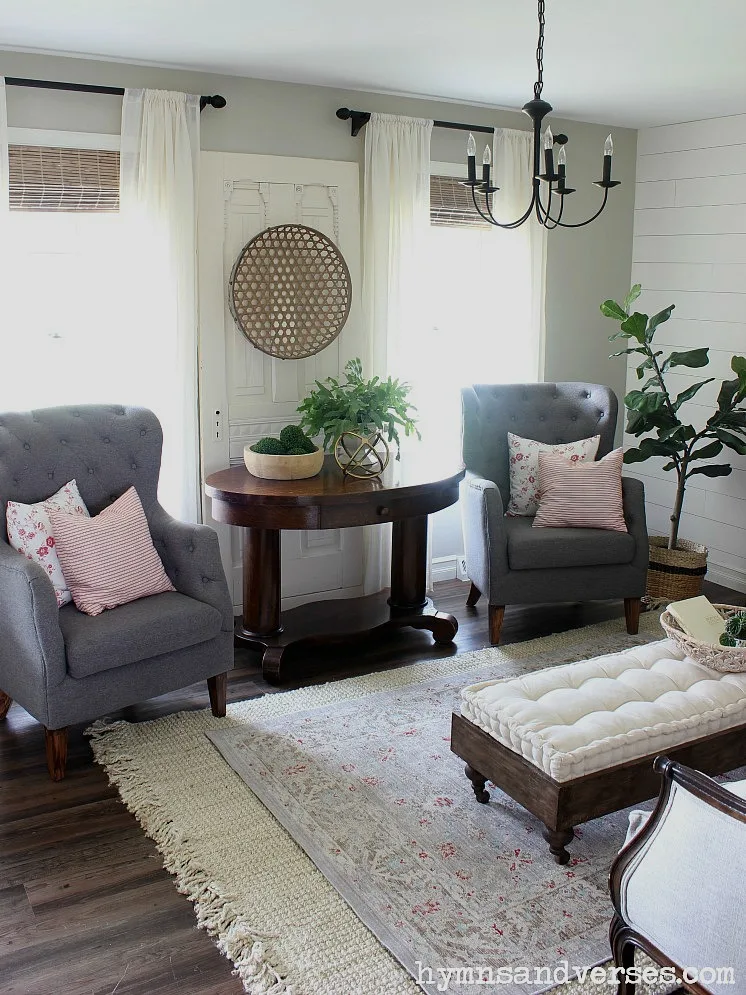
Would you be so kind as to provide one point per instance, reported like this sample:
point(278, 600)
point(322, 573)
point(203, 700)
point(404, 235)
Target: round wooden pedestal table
point(330, 501)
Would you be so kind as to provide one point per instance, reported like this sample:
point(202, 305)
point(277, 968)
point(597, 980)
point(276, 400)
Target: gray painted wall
point(583, 267)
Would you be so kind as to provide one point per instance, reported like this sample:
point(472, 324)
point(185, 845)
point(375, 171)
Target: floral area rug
point(357, 861)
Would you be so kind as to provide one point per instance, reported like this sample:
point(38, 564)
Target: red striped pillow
point(111, 559)
point(581, 495)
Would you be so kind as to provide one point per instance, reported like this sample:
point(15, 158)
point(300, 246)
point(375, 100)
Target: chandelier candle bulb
point(549, 155)
point(471, 158)
point(561, 169)
point(608, 153)
point(486, 162)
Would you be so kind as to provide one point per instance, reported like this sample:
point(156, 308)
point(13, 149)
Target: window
point(74, 280)
point(478, 287)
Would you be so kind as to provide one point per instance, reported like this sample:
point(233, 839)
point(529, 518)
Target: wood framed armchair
point(64, 666)
point(507, 560)
point(678, 885)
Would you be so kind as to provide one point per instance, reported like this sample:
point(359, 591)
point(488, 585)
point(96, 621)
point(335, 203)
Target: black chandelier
point(556, 182)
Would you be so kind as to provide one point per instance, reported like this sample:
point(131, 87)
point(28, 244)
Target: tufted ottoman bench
point(578, 741)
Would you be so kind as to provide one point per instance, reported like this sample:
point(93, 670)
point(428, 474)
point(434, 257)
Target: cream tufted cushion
point(588, 716)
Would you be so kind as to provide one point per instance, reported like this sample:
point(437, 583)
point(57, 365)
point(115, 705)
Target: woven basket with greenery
point(726, 659)
point(675, 574)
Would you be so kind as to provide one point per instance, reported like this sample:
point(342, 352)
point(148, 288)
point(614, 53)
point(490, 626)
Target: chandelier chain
point(539, 84)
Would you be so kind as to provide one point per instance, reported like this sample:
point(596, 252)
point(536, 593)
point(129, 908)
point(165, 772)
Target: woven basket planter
point(675, 573)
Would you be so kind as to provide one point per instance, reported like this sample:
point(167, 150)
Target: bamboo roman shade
point(451, 204)
point(60, 179)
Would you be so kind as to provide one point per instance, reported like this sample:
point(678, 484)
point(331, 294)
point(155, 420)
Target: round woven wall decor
point(290, 291)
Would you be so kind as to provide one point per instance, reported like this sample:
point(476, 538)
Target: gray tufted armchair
point(509, 561)
point(63, 666)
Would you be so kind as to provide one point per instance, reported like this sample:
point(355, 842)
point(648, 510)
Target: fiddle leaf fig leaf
point(708, 451)
point(649, 448)
point(732, 441)
point(688, 394)
point(678, 433)
point(728, 393)
point(656, 320)
point(610, 309)
point(635, 326)
point(645, 402)
point(693, 358)
point(738, 365)
point(632, 296)
point(712, 470)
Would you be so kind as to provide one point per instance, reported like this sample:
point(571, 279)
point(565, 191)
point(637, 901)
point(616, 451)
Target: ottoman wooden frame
point(562, 805)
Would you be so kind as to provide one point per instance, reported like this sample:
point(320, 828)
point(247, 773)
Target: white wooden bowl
point(283, 467)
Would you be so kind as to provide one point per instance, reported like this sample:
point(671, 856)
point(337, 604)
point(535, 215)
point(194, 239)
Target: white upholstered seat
point(587, 716)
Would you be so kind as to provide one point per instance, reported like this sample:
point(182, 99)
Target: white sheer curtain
point(4, 211)
point(3, 154)
point(159, 163)
point(396, 217)
point(513, 159)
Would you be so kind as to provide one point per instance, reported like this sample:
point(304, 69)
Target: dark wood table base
point(341, 620)
point(330, 501)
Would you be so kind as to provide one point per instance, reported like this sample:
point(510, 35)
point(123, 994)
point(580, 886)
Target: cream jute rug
point(280, 920)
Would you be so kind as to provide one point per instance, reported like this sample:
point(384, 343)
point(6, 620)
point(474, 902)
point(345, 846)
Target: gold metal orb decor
point(361, 456)
point(290, 291)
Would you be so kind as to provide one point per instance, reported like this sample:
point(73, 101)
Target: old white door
point(245, 394)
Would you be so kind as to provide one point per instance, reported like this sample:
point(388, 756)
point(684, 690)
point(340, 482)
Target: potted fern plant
point(654, 416)
point(358, 418)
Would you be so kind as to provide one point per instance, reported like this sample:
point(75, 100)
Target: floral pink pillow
point(523, 461)
point(30, 532)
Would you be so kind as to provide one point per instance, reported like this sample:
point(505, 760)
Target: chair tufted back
point(105, 448)
point(547, 412)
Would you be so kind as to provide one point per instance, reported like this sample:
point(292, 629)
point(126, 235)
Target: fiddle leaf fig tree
point(653, 415)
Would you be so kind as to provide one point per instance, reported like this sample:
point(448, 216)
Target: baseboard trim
point(446, 567)
point(726, 576)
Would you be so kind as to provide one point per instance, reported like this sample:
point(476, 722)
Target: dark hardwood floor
point(85, 905)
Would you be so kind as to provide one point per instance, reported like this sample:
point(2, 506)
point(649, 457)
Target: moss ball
point(736, 626)
point(270, 447)
point(297, 451)
point(296, 438)
point(292, 435)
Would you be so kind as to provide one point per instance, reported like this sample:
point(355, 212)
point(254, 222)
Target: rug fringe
point(235, 938)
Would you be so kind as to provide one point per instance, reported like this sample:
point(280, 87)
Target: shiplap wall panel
point(689, 249)
point(700, 191)
point(725, 278)
point(720, 161)
point(710, 220)
point(693, 135)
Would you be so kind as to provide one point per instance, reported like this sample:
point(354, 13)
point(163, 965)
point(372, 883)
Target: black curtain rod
point(359, 119)
point(118, 91)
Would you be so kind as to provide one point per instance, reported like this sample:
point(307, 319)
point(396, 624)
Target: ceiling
point(630, 63)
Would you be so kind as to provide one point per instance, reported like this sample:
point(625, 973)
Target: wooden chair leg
point(623, 952)
point(218, 688)
point(632, 614)
point(497, 613)
point(55, 741)
point(5, 702)
point(474, 595)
